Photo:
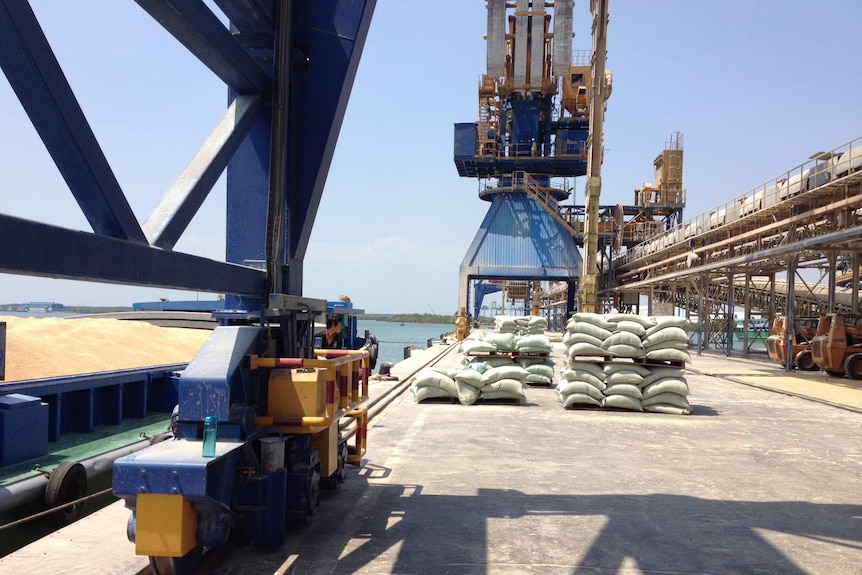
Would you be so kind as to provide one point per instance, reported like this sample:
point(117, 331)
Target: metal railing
point(821, 169)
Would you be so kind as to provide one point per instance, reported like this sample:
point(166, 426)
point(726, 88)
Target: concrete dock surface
point(765, 476)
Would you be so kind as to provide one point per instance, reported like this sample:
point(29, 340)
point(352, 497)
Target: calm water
point(394, 337)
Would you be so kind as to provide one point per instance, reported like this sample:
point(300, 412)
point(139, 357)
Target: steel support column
point(701, 314)
point(790, 313)
point(831, 259)
point(855, 286)
point(728, 344)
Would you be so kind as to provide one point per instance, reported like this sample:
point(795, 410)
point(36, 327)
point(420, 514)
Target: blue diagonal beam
point(39, 82)
point(333, 34)
point(198, 29)
point(182, 201)
point(33, 248)
point(250, 17)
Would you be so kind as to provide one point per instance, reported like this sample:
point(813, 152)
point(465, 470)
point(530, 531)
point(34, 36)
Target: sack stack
point(493, 378)
point(626, 361)
point(497, 366)
point(515, 336)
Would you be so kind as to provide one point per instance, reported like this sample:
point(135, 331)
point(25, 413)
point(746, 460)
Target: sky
point(755, 88)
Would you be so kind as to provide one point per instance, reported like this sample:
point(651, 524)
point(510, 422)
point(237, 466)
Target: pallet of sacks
point(486, 379)
point(521, 325)
point(508, 339)
point(626, 361)
point(497, 364)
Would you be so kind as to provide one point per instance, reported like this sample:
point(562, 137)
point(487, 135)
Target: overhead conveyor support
point(597, 96)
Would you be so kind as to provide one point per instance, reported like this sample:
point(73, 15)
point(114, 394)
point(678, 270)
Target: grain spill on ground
point(50, 347)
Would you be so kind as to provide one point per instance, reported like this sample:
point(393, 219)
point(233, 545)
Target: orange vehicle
point(804, 329)
point(837, 345)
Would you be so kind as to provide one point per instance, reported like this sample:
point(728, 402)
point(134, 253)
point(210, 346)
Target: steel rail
point(375, 406)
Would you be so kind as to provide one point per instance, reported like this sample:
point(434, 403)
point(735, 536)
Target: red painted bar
point(342, 389)
point(290, 362)
point(330, 391)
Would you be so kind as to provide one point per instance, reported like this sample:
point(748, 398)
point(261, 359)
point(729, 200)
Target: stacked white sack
point(623, 385)
point(665, 390)
point(475, 344)
point(503, 383)
point(521, 325)
point(585, 335)
point(636, 324)
point(536, 325)
point(479, 342)
point(626, 332)
point(501, 341)
point(499, 378)
point(581, 383)
point(533, 343)
point(667, 340)
point(540, 370)
point(470, 382)
point(505, 324)
point(623, 343)
point(431, 383)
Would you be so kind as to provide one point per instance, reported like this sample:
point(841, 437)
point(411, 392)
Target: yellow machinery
point(266, 466)
point(313, 397)
point(801, 333)
point(462, 324)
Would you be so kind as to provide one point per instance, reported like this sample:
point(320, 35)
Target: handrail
point(543, 197)
point(341, 365)
point(524, 151)
point(817, 170)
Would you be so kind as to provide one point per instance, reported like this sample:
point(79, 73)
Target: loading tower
point(530, 136)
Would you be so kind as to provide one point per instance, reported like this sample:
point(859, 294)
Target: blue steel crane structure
point(289, 69)
point(275, 140)
point(533, 127)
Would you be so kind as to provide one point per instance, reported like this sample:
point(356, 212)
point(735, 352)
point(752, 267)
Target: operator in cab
point(330, 338)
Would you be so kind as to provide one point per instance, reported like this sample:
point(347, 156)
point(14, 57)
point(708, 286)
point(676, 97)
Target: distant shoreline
point(419, 318)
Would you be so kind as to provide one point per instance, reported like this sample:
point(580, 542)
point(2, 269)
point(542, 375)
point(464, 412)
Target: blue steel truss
point(275, 164)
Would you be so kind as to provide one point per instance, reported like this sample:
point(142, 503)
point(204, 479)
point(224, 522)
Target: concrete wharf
point(763, 477)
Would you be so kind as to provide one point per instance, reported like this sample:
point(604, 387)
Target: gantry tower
point(530, 135)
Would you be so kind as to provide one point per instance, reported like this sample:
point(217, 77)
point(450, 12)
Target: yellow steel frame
point(348, 369)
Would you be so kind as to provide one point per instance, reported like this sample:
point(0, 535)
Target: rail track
point(378, 404)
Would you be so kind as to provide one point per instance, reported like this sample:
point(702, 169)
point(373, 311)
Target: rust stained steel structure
point(722, 264)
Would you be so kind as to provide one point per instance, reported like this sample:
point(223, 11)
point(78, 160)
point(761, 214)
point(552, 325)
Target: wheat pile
point(50, 347)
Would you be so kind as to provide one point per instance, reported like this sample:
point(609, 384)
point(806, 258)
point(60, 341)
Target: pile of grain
point(50, 347)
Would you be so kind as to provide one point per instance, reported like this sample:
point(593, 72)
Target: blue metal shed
point(519, 239)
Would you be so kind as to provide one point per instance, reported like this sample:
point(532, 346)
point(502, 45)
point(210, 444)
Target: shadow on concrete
point(697, 409)
point(659, 532)
point(400, 529)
